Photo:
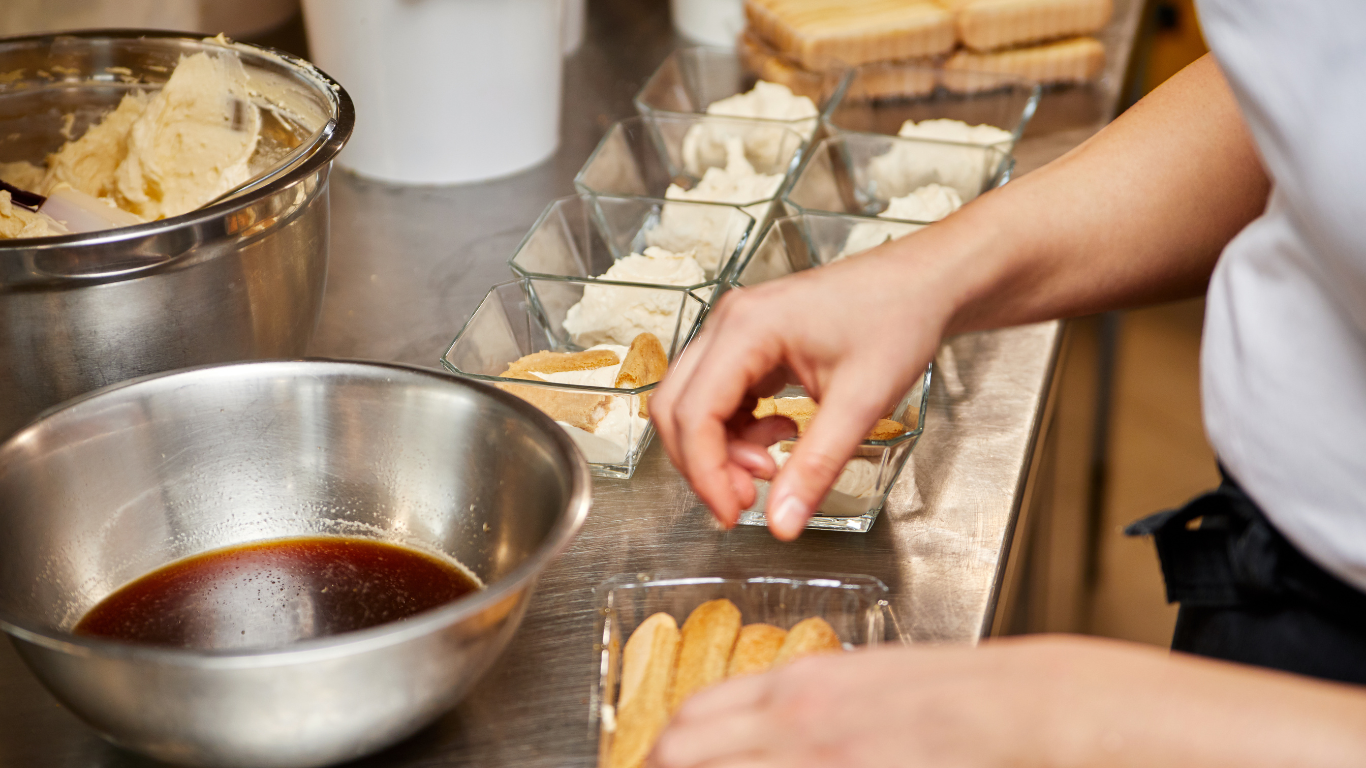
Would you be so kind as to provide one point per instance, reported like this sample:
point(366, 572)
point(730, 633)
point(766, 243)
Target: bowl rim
point(521, 577)
point(325, 143)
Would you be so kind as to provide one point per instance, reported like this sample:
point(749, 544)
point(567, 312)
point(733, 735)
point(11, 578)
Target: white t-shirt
point(1284, 354)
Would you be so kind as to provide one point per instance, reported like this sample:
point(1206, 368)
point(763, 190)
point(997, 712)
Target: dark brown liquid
point(274, 593)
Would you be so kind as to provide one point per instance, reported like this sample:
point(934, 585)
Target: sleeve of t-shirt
point(1298, 70)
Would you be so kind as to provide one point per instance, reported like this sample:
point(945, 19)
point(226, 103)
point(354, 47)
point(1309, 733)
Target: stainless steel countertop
point(408, 266)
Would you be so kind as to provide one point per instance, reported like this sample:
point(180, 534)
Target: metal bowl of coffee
point(298, 459)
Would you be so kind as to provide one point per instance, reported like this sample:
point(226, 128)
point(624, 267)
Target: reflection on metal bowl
point(120, 482)
point(240, 279)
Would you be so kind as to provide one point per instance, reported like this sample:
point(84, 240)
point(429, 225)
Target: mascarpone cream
point(704, 145)
point(17, 221)
point(616, 314)
point(944, 129)
point(932, 202)
point(702, 229)
point(160, 154)
point(955, 155)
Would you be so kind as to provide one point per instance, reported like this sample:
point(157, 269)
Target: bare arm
point(1040, 701)
point(1137, 214)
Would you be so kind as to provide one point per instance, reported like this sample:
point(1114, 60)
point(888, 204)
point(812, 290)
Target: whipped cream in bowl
point(930, 203)
point(635, 300)
point(735, 183)
point(950, 153)
point(705, 144)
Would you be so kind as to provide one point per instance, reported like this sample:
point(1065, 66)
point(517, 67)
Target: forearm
point(1137, 214)
point(1156, 709)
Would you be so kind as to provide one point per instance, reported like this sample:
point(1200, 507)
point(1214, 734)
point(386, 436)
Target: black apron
point(1248, 595)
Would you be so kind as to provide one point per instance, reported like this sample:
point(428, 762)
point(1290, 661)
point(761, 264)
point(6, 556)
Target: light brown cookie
point(821, 34)
point(642, 711)
point(887, 80)
point(1078, 60)
point(808, 638)
point(755, 649)
point(802, 409)
point(987, 25)
point(559, 362)
point(645, 363)
point(579, 409)
point(704, 651)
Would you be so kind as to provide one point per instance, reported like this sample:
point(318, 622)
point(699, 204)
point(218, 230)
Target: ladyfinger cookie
point(755, 649)
point(558, 362)
point(820, 34)
point(986, 25)
point(579, 409)
point(1078, 60)
point(707, 641)
point(888, 80)
point(642, 710)
point(762, 61)
point(808, 638)
point(802, 409)
point(646, 363)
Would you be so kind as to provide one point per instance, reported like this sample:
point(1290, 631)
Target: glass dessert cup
point(690, 79)
point(860, 173)
point(855, 606)
point(789, 245)
point(583, 236)
point(522, 317)
point(928, 92)
point(644, 156)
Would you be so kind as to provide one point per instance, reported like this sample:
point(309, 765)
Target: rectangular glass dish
point(519, 318)
point(584, 236)
point(855, 606)
point(796, 243)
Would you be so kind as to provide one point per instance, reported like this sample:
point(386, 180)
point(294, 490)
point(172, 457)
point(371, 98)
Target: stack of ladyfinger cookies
point(1047, 41)
point(661, 666)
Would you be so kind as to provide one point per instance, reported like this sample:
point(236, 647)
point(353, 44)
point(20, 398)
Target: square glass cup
point(521, 317)
point(855, 606)
point(691, 79)
point(807, 241)
point(646, 156)
point(860, 173)
point(880, 97)
point(583, 236)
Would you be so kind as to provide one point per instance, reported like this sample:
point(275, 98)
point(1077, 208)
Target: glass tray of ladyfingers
point(662, 638)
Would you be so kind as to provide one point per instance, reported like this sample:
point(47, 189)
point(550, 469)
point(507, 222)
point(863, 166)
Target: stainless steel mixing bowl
point(238, 280)
point(122, 481)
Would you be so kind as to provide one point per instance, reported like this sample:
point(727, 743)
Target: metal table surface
point(408, 266)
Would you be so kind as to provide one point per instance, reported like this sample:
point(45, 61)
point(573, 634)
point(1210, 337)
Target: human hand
point(855, 334)
point(1038, 701)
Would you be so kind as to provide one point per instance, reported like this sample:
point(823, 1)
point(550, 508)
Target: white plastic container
point(446, 91)
point(709, 22)
point(575, 24)
point(239, 18)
